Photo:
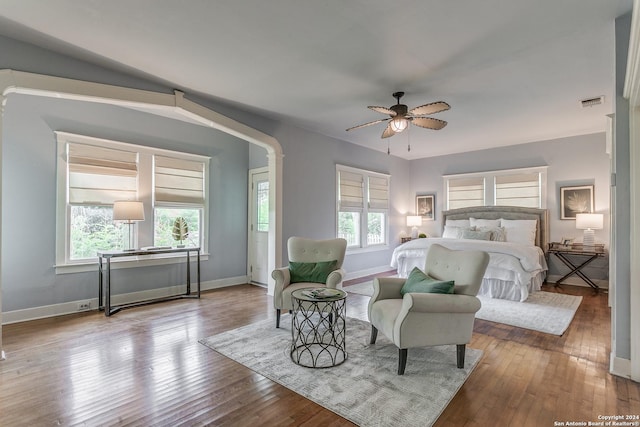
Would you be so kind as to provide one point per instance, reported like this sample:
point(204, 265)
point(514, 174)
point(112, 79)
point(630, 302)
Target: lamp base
point(588, 238)
point(414, 232)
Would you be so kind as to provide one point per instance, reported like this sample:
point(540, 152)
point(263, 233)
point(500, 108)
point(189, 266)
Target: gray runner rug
point(365, 389)
point(547, 312)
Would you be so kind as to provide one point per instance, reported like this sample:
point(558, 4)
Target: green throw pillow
point(316, 272)
point(420, 282)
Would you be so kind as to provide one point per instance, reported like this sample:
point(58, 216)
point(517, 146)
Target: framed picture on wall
point(575, 200)
point(426, 206)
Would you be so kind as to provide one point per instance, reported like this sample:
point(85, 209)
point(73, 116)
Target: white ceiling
point(513, 71)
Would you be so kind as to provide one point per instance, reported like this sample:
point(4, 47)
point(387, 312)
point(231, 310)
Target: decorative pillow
point(475, 222)
point(315, 272)
point(419, 282)
point(451, 232)
point(476, 235)
point(497, 233)
point(522, 236)
point(459, 223)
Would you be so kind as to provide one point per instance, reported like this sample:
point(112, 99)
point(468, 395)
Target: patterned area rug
point(365, 389)
point(547, 312)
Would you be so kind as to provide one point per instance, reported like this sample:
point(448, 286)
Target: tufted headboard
point(506, 212)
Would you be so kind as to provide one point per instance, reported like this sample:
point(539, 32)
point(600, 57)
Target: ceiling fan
point(400, 117)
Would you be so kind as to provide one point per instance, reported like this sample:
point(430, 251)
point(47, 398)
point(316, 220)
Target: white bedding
point(514, 270)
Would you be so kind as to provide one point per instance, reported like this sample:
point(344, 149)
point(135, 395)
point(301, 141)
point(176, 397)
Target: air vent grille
point(590, 102)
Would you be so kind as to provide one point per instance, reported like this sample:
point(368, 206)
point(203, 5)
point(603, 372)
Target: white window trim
point(364, 246)
point(490, 183)
point(144, 230)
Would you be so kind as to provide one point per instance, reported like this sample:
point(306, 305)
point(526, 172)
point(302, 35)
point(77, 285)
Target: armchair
point(308, 251)
point(429, 319)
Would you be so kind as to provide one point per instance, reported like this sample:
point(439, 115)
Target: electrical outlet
point(82, 306)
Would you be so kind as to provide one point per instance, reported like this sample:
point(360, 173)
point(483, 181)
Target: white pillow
point(451, 232)
point(519, 223)
point(458, 223)
point(522, 236)
point(475, 222)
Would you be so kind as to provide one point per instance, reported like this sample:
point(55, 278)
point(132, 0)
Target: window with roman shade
point(525, 187)
point(518, 190)
point(464, 192)
point(362, 207)
point(100, 176)
point(94, 173)
point(178, 181)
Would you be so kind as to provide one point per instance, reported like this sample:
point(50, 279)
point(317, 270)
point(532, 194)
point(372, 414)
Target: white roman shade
point(100, 176)
point(463, 192)
point(350, 197)
point(378, 192)
point(518, 190)
point(178, 181)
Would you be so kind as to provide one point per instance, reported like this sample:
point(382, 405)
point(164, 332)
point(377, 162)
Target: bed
point(516, 239)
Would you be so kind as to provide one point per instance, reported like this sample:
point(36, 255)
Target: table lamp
point(414, 221)
point(589, 222)
point(128, 212)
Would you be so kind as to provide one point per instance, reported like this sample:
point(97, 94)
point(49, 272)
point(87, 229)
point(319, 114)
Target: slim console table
point(104, 283)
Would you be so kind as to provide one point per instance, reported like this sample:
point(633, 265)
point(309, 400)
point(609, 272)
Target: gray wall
point(579, 160)
point(29, 197)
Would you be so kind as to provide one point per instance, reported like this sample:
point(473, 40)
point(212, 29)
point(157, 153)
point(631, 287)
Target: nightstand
point(587, 253)
point(405, 239)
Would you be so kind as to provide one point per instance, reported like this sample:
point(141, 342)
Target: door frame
point(250, 208)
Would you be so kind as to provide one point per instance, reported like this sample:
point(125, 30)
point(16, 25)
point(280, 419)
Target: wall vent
point(590, 102)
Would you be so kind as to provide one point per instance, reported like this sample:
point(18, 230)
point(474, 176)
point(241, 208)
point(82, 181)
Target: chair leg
point(374, 335)
point(460, 350)
point(402, 360)
point(277, 317)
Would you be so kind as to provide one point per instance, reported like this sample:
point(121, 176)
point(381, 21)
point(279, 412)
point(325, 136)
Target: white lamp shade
point(589, 221)
point(414, 221)
point(128, 211)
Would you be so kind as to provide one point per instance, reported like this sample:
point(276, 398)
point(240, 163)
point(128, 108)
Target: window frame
point(489, 183)
point(144, 231)
point(365, 210)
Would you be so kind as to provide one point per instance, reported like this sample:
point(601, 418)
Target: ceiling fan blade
point(429, 123)
point(388, 131)
point(383, 110)
point(434, 107)
point(367, 124)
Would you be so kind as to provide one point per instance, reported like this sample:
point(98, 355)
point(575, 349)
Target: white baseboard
point(620, 367)
point(576, 281)
point(367, 272)
point(42, 312)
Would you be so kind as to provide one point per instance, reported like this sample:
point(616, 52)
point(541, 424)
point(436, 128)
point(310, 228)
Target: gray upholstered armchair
point(303, 254)
point(429, 319)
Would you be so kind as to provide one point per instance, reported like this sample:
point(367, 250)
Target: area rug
point(365, 389)
point(547, 312)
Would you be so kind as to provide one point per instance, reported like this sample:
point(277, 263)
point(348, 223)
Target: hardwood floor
point(145, 367)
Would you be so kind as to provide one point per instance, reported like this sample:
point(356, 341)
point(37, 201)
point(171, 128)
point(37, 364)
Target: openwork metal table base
point(318, 330)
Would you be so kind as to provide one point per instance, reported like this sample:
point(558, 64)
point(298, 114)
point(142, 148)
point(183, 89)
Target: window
point(362, 207)
point(515, 187)
point(94, 173)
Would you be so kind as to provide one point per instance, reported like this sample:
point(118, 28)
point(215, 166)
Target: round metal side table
point(318, 327)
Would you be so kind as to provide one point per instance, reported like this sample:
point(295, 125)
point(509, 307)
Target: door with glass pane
point(259, 226)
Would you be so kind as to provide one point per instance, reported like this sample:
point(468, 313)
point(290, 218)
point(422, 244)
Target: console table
point(588, 254)
point(105, 291)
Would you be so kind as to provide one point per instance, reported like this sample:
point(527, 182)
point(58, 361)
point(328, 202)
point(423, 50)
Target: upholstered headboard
point(506, 212)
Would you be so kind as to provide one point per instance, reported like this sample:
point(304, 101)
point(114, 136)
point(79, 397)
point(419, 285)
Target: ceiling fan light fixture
point(398, 124)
